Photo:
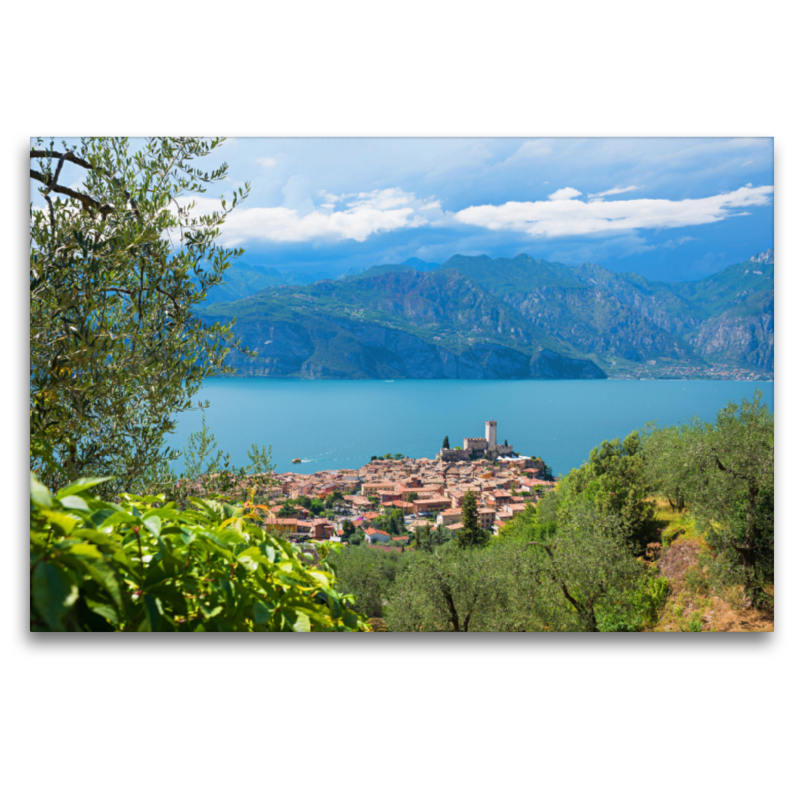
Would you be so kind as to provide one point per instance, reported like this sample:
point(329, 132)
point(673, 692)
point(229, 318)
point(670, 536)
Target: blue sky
point(669, 209)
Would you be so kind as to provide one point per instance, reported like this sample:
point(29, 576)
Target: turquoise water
point(340, 424)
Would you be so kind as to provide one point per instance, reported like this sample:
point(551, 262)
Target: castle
point(485, 447)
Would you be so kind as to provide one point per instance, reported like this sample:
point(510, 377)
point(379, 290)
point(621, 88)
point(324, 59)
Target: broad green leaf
point(262, 613)
point(40, 495)
point(85, 550)
point(153, 612)
point(80, 485)
point(302, 624)
point(106, 577)
point(54, 593)
point(107, 612)
point(321, 577)
point(269, 552)
point(172, 600)
point(98, 537)
point(101, 515)
point(153, 524)
point(118, 518)
point(163, 513)
point(63, 522)
point(75, 502)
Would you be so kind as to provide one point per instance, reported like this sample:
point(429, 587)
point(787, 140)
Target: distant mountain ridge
point(244, 279)
point(477, 317)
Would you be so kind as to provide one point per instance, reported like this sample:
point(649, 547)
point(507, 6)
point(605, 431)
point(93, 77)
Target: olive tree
point(458, 590)
point(731, 491)
point(119, 259)
point(667, 467)
point(614, 483)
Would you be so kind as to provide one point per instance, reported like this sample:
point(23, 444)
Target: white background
point(486, 716)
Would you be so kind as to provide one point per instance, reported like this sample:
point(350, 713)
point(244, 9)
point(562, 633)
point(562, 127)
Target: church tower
point(491, 432)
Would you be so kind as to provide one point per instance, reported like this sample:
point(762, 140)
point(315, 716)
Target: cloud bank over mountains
point(354, 216)
point(357, 216)
point(667, 208)
point(562, 214)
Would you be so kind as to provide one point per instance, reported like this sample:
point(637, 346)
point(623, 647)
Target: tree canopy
point(727, 468)
point(471, 534)
point(118, 261)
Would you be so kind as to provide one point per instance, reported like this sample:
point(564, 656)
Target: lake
point(339, 424)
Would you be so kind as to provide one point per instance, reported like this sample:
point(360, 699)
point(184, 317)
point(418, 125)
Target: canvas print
point(431, 385)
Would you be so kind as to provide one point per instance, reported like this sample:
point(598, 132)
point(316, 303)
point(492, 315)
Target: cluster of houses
point(428, 491)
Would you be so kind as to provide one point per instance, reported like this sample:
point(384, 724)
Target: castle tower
point(491, 432)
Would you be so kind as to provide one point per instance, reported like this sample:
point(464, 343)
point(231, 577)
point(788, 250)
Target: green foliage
point(392, 522)
point(637, 608)
point(429, 538)
point(696, 579)
point(588, 568)
point(728, 473)
point(545, 472)
point(535, 523)
point(117, 266)
point(312, 504)
point(446, 443)
point(208, 473)
point(670, 534)
point(142, 564)
point(458, 591)
point(585, 579)
point(471, 534)
point(613, 483)
point(668, 469)
point(733, 498)
point(288, 509)
point(366, 576)
point(333, 498)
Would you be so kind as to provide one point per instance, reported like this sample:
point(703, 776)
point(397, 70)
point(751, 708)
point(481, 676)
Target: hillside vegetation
point(670, 529)
point(477, 317)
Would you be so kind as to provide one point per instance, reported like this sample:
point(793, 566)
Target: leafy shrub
point(670, 535)
point(696, 579)
point(636, 609)
point(366, 575)
point(142, 564)
point(695, 623)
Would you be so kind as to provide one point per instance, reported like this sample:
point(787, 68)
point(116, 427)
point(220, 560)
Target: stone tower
point(491, 432)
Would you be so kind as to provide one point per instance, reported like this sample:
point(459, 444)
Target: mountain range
point(478, 317)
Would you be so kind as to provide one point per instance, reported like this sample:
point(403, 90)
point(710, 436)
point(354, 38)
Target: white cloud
point(570, 217)
point(564, 194)
point(362, 214)
point(615, 191)
point(673, 243)
point(267, 162)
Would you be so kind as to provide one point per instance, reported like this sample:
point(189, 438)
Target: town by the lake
point(428, 491)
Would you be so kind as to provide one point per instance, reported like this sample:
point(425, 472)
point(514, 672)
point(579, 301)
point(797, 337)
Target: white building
point(485, 447)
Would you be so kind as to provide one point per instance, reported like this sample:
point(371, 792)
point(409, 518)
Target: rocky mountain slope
point(476, 317)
